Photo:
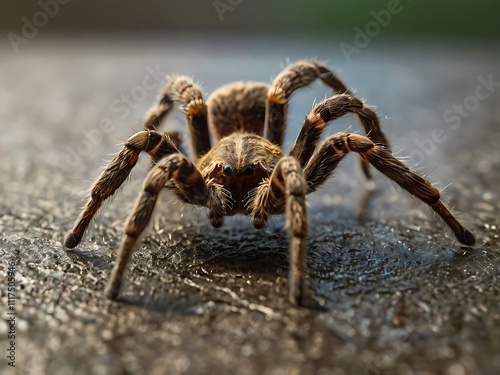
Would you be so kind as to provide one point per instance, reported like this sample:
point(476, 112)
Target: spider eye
point(227, 170)
point(248, 169)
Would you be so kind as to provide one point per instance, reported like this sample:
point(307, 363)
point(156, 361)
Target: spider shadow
point(175, 306)
point(244, 250)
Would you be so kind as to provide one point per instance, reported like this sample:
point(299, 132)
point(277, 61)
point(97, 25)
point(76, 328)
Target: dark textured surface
point(402, 296)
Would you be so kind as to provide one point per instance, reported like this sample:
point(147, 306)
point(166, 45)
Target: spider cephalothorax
point(239, 164)
point(246, 172)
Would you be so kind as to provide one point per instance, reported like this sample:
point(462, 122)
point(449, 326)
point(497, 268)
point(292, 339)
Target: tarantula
point(245, 172)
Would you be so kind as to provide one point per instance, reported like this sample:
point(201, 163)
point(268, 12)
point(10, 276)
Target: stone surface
point(402, 295)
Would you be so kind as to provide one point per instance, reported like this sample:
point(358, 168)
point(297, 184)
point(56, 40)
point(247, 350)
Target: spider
point(246, 172)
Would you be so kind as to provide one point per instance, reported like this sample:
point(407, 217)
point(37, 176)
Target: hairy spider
point(245, 172)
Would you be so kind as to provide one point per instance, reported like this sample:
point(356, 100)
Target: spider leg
point(285, 191)
point(292, 78)
point(337, 146)
point(183, 90)
point(298, 75)
point(187, 179)
point(156, 144)
point(332, 109)
point(237, 106)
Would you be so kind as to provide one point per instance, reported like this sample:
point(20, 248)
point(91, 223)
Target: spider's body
point(247, 172)
point(239, 163)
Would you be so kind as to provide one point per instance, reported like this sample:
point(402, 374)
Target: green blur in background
point(420, 18)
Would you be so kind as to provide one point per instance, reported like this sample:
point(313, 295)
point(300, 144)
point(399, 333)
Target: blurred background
point(461, 18)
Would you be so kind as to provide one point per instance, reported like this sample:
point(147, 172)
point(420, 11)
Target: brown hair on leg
point(115, 174)
point(182, 90)
point(189, 180)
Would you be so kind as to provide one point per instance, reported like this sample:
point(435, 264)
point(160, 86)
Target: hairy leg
point(238, 106)
point(183, 90)
point(332, 109)
point(157, 145)
point(187, 179)
point(286, 190)
point(296, 76)
point(335, 147)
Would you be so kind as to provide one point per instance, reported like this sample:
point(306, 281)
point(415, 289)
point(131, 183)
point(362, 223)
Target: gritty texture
point(401, 295)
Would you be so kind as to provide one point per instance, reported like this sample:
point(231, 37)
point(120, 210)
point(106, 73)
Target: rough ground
point(402, 296)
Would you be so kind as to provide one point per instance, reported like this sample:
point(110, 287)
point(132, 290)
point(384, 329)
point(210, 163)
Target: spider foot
point(71, 241)
point(112, 292)
point(308, 299)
